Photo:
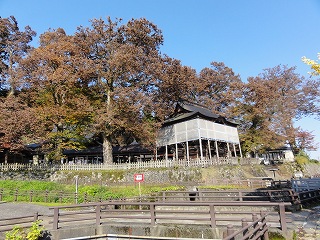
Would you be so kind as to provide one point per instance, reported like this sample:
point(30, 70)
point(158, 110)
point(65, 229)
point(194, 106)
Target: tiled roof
point(185, 110)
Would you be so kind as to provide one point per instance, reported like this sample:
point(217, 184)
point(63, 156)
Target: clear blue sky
point(247, 35)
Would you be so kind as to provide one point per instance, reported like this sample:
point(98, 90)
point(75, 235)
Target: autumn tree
point(272, 102)
point(175, 82)
point(122, 62)
point(14, 45)
point(305, 140)
point(16, 117)
point(220, 89)
point(55, 92)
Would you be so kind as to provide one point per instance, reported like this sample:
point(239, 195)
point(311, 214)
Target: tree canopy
point(111, 84)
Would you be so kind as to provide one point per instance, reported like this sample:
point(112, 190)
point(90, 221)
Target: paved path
point(307, 224)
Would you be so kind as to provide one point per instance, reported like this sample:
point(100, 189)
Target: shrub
point(19, 233)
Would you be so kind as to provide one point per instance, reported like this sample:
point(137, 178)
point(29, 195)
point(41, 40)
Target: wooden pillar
point(209, 149)
point(201, 153)
point(228, 148)
point(166, 152)
point(177, 154)
point(217, 150)
point(187, 145)
point(240, 150)
point(156, 154)
point(234, 150)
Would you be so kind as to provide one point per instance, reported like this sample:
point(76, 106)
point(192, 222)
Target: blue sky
point(247, 35)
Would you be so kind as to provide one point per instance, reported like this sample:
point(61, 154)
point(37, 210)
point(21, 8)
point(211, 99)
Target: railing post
point(98, 215)
point(55, 218)
point(282, 215)
point(46, 196)
point(152, 214)
point(229, 231)
point(212, 216)
point(244, 224)
point(31, 192)
point(254, 218)
point(35, 216)
point(240, 196)
point(76, 197)
point(16, 195)
point(200, 195)
point(1, 193)
point(85, 197)
point(266, 233)
point(60, 196)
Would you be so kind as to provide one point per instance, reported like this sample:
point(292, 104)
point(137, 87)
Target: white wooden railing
point(133, 165)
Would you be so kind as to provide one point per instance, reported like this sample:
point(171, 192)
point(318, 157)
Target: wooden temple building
point(193, 131)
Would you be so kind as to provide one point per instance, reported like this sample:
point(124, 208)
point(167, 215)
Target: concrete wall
point(174, 231)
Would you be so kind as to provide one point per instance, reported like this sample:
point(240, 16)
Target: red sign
point(139, 177)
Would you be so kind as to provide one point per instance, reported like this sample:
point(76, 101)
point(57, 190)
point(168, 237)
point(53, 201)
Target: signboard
point(138, 177)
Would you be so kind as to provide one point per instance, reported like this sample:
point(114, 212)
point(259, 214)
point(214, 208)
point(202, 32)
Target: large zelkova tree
point(220, 89)
point(16, 117)
point(123, 63)
point(14, 45)
point(176, 82)
point(56, 94)
point(272, 102)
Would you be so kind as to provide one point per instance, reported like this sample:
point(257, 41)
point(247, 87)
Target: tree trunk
point(107, 150)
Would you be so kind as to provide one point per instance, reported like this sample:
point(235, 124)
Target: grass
point(54, 191)
point(58, 194)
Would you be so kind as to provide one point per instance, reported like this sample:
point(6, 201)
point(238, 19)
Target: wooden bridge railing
point(287, 195)
point(7, 224)
point(209, 213)
point(258, 229)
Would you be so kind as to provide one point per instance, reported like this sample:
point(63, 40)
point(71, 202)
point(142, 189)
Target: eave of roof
point(191, 111)
point(193, 115)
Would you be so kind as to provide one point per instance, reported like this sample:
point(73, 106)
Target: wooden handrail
point(155, 212)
